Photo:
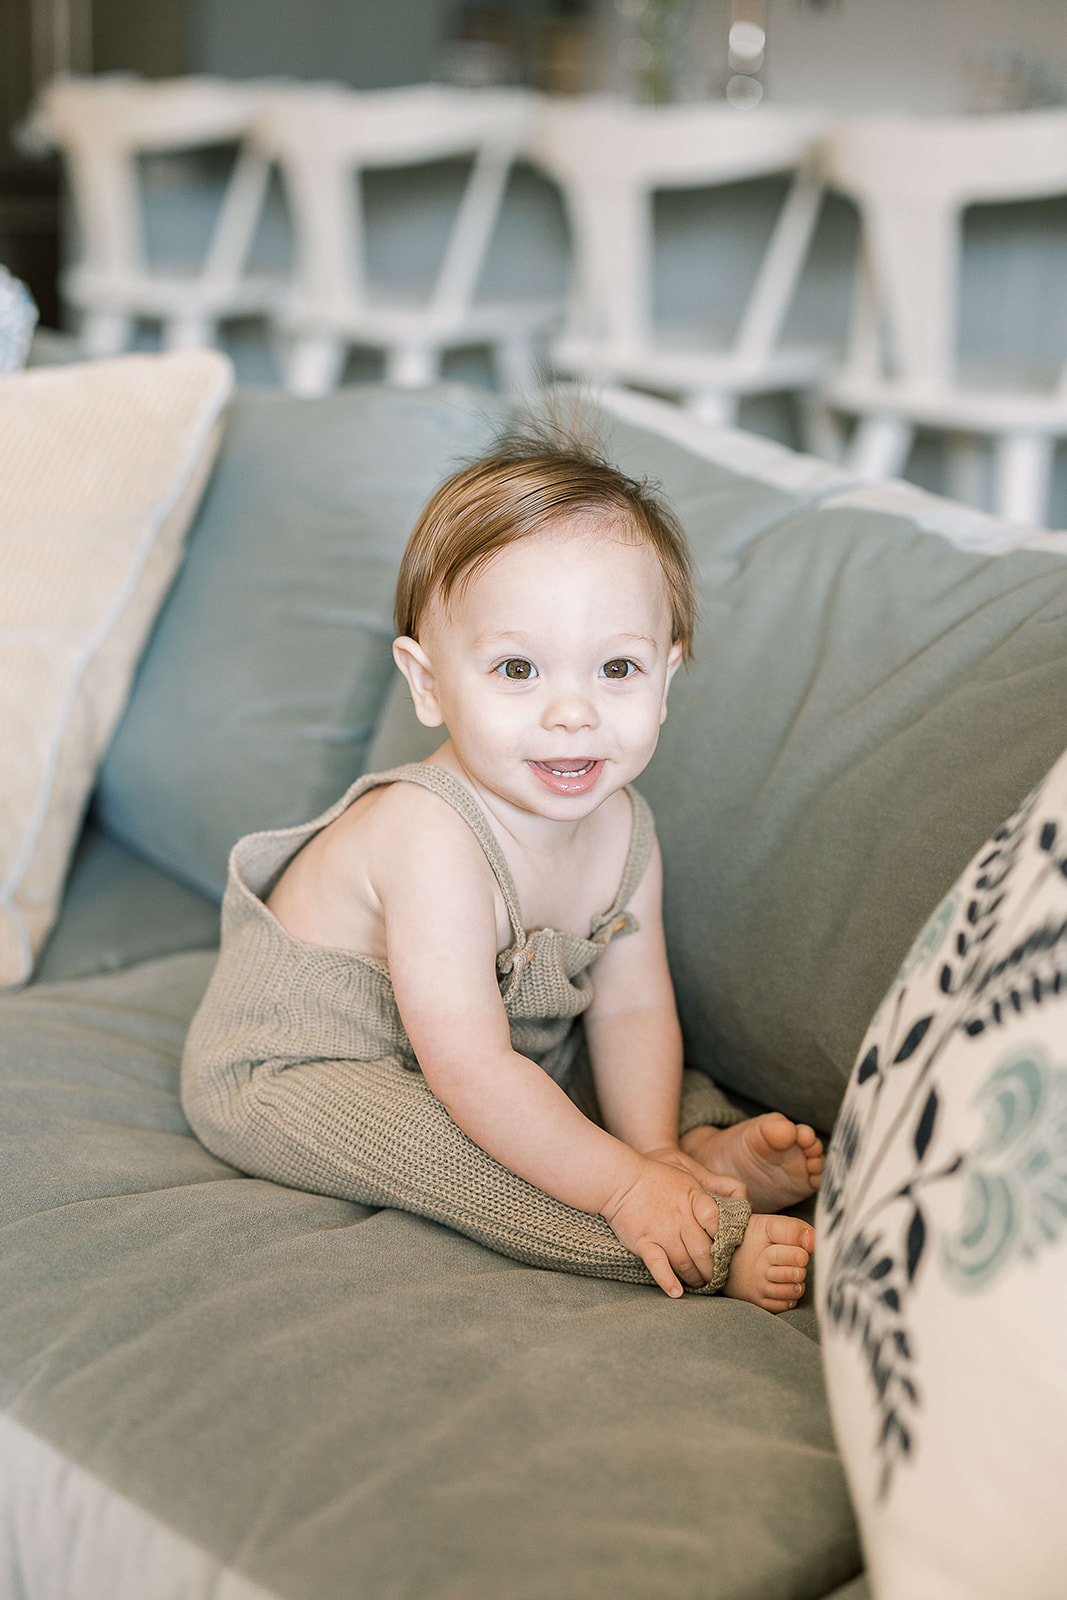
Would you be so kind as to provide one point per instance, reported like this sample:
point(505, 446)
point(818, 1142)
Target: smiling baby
point(450, 993)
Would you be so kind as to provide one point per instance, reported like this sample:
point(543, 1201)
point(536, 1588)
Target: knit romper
point(297, 1067)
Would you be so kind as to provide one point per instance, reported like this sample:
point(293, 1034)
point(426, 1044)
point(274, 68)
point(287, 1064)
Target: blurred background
point(840, 223)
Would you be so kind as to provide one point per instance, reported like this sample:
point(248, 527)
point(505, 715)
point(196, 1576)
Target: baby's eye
point(517, 667)
point(619, 668)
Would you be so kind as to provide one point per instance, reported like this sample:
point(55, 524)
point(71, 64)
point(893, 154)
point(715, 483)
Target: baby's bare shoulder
point(403, 827)
point(395, 847)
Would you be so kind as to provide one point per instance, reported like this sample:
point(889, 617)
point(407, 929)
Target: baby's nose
point(570, 710)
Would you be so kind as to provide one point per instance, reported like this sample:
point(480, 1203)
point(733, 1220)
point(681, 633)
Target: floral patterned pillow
point(943, 1238)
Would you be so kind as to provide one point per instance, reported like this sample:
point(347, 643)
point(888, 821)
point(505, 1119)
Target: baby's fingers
point(655, 1259)
point(717, 1182)
point(720, 1183)
point(706, 1213)
point(694, 1258)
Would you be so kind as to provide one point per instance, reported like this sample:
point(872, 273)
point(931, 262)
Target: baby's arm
point(437, 894)
point(635, 1042)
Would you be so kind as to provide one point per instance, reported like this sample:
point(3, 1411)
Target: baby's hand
point(664, 1216)
point(717, 1182)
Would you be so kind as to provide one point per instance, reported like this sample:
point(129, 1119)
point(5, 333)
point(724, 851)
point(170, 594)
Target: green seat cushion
point(867, 702)
point(263, 679)
point(334, 1401)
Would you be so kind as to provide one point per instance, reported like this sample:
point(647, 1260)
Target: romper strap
point(441, 782)
point(642, 837)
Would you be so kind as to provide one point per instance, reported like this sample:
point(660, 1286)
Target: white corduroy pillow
point(942, 1238)
point(102, 465)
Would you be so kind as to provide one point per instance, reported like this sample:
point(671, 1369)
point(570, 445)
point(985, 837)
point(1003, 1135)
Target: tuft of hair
point(537, 472)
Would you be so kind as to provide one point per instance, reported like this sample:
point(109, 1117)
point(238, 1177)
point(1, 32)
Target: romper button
point(619, 925)
point(530, 954)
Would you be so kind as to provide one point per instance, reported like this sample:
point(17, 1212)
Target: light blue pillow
point(263, 680)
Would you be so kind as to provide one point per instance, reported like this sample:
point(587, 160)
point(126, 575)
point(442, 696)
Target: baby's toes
point(785, 1283)
point(785, 1273)
point(783, 1258)
point(777, 1131)
point(789, 1233)
point(808, 1140)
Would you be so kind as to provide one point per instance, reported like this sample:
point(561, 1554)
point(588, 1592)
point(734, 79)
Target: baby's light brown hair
point(529, 479)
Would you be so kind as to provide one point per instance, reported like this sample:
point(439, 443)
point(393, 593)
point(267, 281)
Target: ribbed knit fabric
point(297, 1067)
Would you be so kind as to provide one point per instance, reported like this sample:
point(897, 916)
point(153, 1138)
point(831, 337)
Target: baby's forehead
point(547, 561)
point(602, 531)
point(550, 554)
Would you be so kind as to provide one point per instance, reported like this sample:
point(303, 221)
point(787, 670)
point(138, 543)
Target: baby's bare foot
point(780, 1162)
point(769, 1267)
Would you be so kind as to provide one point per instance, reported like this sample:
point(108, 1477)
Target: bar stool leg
point(189, 331)
point(716, 407)
point(106, 333)
point(412, 366)
point(879, 447)
point(822, 431)
point(314, 364)
point(966, 473)
point(1023, 476)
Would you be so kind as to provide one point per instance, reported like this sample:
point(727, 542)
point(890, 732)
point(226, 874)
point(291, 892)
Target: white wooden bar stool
point(325, 139)
point(610, 158)
point(102, 126)
point(912, 179)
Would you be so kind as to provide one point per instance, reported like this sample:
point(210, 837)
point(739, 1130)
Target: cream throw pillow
point(101, 468)
point(942, 1238)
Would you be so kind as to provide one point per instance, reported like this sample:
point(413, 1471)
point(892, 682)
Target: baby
point(394, 1014)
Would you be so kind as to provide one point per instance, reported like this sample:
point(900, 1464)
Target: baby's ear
point(674, 661)
point(416, 666)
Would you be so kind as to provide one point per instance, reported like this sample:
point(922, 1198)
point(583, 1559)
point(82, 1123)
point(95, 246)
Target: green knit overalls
point(297, 1067)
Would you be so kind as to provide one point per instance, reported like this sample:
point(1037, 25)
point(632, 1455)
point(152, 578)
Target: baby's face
point(551, 666)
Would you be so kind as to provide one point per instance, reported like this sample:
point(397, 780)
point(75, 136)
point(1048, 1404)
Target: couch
point(216, 1385)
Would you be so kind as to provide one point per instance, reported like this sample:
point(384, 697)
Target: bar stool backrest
point(913, 178)
point(609, 157)
point(102, 125)
point(323, 137)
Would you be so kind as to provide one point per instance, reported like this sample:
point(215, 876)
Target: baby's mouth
point(568, 769)
point(569, 774)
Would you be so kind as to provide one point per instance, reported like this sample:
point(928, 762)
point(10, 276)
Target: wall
point(920, 55)
point(911, 55)
point(148, 36)
point(368, 44)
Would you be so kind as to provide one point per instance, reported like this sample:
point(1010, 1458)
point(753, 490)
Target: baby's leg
point(373, 1132)
point(769, 1267)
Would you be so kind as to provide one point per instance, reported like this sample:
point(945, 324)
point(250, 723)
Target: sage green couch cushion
point(332, 1401)
point(868, 700)
point(263, 679)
